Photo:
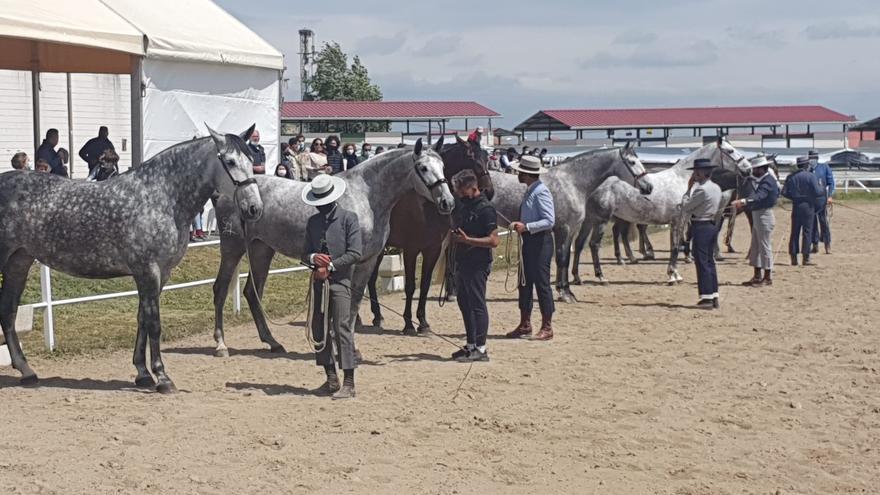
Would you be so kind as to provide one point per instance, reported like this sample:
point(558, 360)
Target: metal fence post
point(236, 299)
point(48, 317)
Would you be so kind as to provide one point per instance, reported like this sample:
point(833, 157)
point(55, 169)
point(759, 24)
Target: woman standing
point(317, 160)
point(760, 204)
point(349, 156)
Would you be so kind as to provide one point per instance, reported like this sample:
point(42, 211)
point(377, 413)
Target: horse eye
point(424, 168)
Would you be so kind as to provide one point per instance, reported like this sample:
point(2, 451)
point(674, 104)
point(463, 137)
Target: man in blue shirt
point(821, 228)
point(803, 190)
point(537, 217)
point(760, 203)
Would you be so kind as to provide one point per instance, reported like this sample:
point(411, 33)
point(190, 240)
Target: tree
point(335, 80)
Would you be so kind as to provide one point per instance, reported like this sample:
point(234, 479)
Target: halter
point(629, 167)
point(438, 183)
point(725, 154)
point(236, 183)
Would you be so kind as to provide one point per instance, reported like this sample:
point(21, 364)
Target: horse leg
point(15, 274)
point(429, 261)
point(645, 246)
point(674, 247)
point(409, 265)
point(624, 232)
point(595, 243)
point(260, 258)
point(563, 256)
point(230, 255)
point(615, 237)
point(374, 294)
point(579, 244)
point(728, 235)
point(149, 285)
point(362, 273)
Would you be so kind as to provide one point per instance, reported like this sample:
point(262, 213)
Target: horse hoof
point(29, 380)
point(409, 330)
point(603, 281)
point(577, 281)
point(277, 349)
point(648, 257)
point(145, 382)
point(166, 388)
point(221, 352)
point(620, 261)
point(378, 322)
point(425, 328)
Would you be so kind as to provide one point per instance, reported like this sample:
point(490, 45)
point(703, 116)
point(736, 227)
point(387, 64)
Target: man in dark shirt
point(47, 152)
point(803, 189)
point(333, 246)
point(475, 233)
point(258, 152)
point(92, 150)
point(334, 154)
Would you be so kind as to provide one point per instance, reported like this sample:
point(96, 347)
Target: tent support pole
point(137, 111)
point(35, 95)
point(70, 124)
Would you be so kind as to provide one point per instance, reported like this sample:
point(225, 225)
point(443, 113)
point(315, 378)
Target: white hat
point(529, 165)
point(760, 161)
point(323, 190)
point(479, 129)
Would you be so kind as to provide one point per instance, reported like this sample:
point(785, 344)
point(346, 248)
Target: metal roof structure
point(399, 111)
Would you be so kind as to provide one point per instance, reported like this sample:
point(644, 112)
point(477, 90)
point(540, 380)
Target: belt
point(704, 221)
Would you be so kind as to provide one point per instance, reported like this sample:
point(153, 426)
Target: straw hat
point(760, 161)
point(529, 165)
point(323, 190)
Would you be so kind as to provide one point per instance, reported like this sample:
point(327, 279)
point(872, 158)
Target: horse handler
point(537, 217)
point(333, 246)
point(760, 203)
point(701, 203)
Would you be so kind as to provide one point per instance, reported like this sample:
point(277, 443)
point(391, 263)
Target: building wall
point(97, 99)
point(856, 138)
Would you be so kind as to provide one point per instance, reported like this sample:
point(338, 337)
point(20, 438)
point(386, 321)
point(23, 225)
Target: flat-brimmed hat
point(702, 164)
point(813, 153)
point(323, 190)
point(803, 162)
point(760, 161)
point(529, 165)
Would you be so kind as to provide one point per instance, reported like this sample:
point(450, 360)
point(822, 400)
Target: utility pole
point(306, 61)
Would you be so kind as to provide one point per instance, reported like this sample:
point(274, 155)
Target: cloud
point(381, 45)
point(756, 36)
point(697, 54)
point(635, 38)
point(442, 43)
point(838, 30)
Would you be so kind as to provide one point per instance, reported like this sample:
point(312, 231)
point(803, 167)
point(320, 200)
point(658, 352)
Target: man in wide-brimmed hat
point(804, 191)
point(333, 246)
point(760, 203)
point(701, 204)
point(537, 217)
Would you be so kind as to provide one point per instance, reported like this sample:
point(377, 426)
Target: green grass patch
point(857, 196)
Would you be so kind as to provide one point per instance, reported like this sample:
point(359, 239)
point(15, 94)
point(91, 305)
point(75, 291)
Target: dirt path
point(637, 394)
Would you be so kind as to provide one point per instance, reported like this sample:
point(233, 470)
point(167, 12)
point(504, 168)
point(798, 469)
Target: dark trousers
point(821, 229)
point(537, 255)
point(802, 217)
point(705, 237)
point(341, 336)
point(470, 281)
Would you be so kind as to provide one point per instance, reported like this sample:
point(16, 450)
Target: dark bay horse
point(417, 228)
point(55, 220)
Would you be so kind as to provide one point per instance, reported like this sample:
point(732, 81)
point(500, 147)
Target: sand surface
point(778, 392)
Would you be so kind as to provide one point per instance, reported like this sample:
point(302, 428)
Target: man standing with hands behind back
point(537, 217)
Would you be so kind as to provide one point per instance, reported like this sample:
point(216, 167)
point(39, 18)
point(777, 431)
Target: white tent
point(190, 62)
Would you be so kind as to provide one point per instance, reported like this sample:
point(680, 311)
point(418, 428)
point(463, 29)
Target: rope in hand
point(520, 273)
point(325, 308)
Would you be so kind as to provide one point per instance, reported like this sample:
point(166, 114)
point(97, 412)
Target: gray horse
point(570, 182)
point(373, 188)
point(74, 227)
point(615, 198)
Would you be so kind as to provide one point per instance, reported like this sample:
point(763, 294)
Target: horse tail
point(440, 267)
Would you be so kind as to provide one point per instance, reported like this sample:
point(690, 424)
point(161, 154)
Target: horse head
point(729, 154)
point(431, 182)
point(636, 168)
point(469, 155)
point(234, 176)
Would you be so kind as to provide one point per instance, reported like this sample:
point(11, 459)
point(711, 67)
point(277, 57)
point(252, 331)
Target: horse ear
point(459, 140)
point(438, 145)
point(418, 150)
point(219, 139)
point(250, 130)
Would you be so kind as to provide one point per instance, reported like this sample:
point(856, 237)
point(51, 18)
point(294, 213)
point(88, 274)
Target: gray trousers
point(761, 252)
point(341, 336)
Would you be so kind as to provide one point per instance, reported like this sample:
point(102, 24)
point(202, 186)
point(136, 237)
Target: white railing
point(846, 182)
point(48, 304)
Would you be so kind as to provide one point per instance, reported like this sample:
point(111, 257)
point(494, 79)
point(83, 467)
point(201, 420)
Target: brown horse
point(417, 229)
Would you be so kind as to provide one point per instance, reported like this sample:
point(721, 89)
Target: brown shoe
point(330, 387)
point(546, 332)
point(524, 328)
point(753, 282)
point(827, 248)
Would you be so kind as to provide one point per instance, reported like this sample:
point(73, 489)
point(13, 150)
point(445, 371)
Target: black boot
point(807, 261)
point(794, 261)
point(347, 390)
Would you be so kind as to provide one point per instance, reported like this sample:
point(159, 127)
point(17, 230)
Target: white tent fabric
point(81, 22)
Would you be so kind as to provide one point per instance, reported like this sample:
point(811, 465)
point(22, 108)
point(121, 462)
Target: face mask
point(325, 209)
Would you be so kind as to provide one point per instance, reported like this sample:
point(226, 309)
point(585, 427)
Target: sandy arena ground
point(638, 393)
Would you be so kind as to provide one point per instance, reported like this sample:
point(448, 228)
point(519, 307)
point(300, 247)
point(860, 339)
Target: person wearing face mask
point(821, 227)
point(257, 152)
point(334, 154)
point(760, 203)
point(332, 247)
point(537, 217)
point(475, 232)
point(366, 151)
point(349, 157)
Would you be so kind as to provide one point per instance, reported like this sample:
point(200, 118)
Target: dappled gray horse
point(373, 188)
point(616, 198)
point(570, 182)
point(55, 221)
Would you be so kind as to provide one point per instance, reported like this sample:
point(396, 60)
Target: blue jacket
point(802, 187)
point(765, 195)
point(826, 178)
point(537, 210)
point(47, 152)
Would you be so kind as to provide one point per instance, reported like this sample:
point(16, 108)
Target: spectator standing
point(317, 163)
point(258, 153)
point(42, 166)
point(281, 170)
point(507, 160)
point(20, 161)
point(47, 152)
point(334, 154)
point(366, 151)
point(379, 150)
point(349, 157)
point(525, 151)
point(93, 149)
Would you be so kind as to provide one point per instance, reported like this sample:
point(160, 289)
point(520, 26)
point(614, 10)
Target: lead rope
point(318, 345)
point(520, 273)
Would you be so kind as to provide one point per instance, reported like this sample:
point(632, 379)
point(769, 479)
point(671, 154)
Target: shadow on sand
point(76, 384)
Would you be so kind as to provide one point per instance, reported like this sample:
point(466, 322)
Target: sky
point(520, 56)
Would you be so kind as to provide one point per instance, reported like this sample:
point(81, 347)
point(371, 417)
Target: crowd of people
point(503, 160)
point(98, 153)
point(323, 156)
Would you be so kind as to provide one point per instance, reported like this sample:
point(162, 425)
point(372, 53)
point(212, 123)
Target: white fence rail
point(48, 304)
point(856, 182)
